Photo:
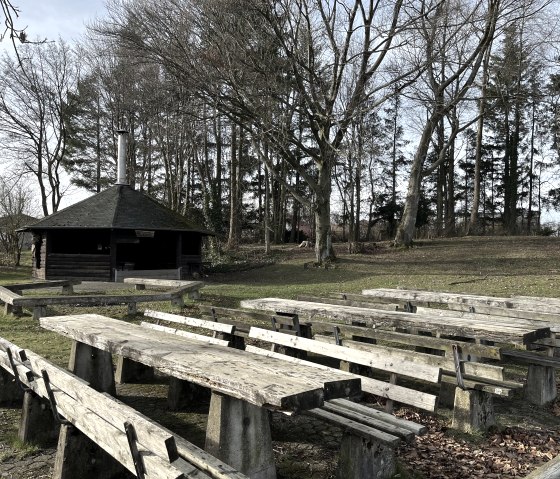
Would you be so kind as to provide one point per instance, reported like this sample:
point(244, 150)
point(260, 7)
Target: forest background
point(276, 121)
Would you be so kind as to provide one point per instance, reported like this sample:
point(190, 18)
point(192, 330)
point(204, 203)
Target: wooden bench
point(138, 443)
point(368, 433)
point(541, 373)
point(39, 304)
point(369, 436)
point(191, 288)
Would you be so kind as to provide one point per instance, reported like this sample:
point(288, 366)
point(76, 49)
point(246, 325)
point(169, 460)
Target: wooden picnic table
point(244, 385)
point(479, 329)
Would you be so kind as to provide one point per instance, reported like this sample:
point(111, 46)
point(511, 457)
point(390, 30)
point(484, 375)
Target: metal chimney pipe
point(121, 157)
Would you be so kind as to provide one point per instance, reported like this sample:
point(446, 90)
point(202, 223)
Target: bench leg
point(194, 295)
point(446, 396)
point(473, 411)
point(37, 424)
point(93, 365)
point(10, 392)
point(183, 393)
point(79, 457)
point(178, 302)
point(132, 309)
point(238, 433)
point(129, 371)
point(140, 287)
point(39, 312)
point(68, 289)
point(363, 459)
point(541, 385)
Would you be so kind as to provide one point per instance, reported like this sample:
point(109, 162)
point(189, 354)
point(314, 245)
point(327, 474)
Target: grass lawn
point(500, 266)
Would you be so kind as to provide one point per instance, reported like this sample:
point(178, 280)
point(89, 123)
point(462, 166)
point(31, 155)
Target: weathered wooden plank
point(415, 428)
point(374, 359)
point(526, 357)
point(498, 388)
point(94, 424)
point(349, 302)
point(7, 296)
point(499, 320)
point(188, 321)
point(355, 427)
point(482, 370)
point(465, 348)
point(263, 382)
point(93, 299)
point(148, 431)
point(418, 399)
point(185, 286)
point(378, 318)
point(185, 334)
point(375, 422)
point(43, 284)
point(551, 319)
point(537, 304)
point(550, 470)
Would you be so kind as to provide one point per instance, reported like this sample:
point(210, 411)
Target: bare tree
point(454, 36)
point(16, 207)
point(33, 105)
point(267, 63)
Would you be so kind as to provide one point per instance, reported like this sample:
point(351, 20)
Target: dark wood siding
point(87, 267)
point(190, 263)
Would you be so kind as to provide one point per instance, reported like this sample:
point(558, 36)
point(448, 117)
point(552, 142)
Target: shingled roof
point(118, 207)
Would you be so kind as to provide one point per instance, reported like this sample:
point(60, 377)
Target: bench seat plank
point(374, 359)
point(195, 322)
point(377, 423)
point(355, 427)
point(185, 334)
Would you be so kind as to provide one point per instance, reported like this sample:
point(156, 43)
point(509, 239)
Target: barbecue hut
point(117, 233)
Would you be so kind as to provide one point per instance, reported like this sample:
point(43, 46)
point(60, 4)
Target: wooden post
point(541, 385)
point(37, 423)
point(129, 371)
point(361, 458)
point(238, 433)
point(39, 312)
point(10, 393)
point(93, 365)
point(183, 393)
point(473, 411)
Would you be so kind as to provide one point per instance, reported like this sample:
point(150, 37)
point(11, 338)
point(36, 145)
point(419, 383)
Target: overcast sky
point(53, 18)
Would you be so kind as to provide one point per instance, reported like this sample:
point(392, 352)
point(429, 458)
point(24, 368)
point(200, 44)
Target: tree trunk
point(323, 238)
point(405, 230)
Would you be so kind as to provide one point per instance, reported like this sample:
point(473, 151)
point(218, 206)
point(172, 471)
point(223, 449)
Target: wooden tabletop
point(265, 382)
point(479, 328)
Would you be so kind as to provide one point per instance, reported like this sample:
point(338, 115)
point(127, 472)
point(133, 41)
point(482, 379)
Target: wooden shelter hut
point(116, 233)
point(117, 230)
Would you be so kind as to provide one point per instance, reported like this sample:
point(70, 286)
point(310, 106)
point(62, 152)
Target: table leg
point(238, 433)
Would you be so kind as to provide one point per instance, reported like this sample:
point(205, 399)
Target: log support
point(238, 433)
point(362, 458)
point(129, 371)
point(473, 410)
point(10, 392)
point(184, 393)
point(541, 385)
point(37, 424)
point(93, 365)
point(39, 312)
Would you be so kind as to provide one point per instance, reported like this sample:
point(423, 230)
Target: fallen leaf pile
point(511, 453)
